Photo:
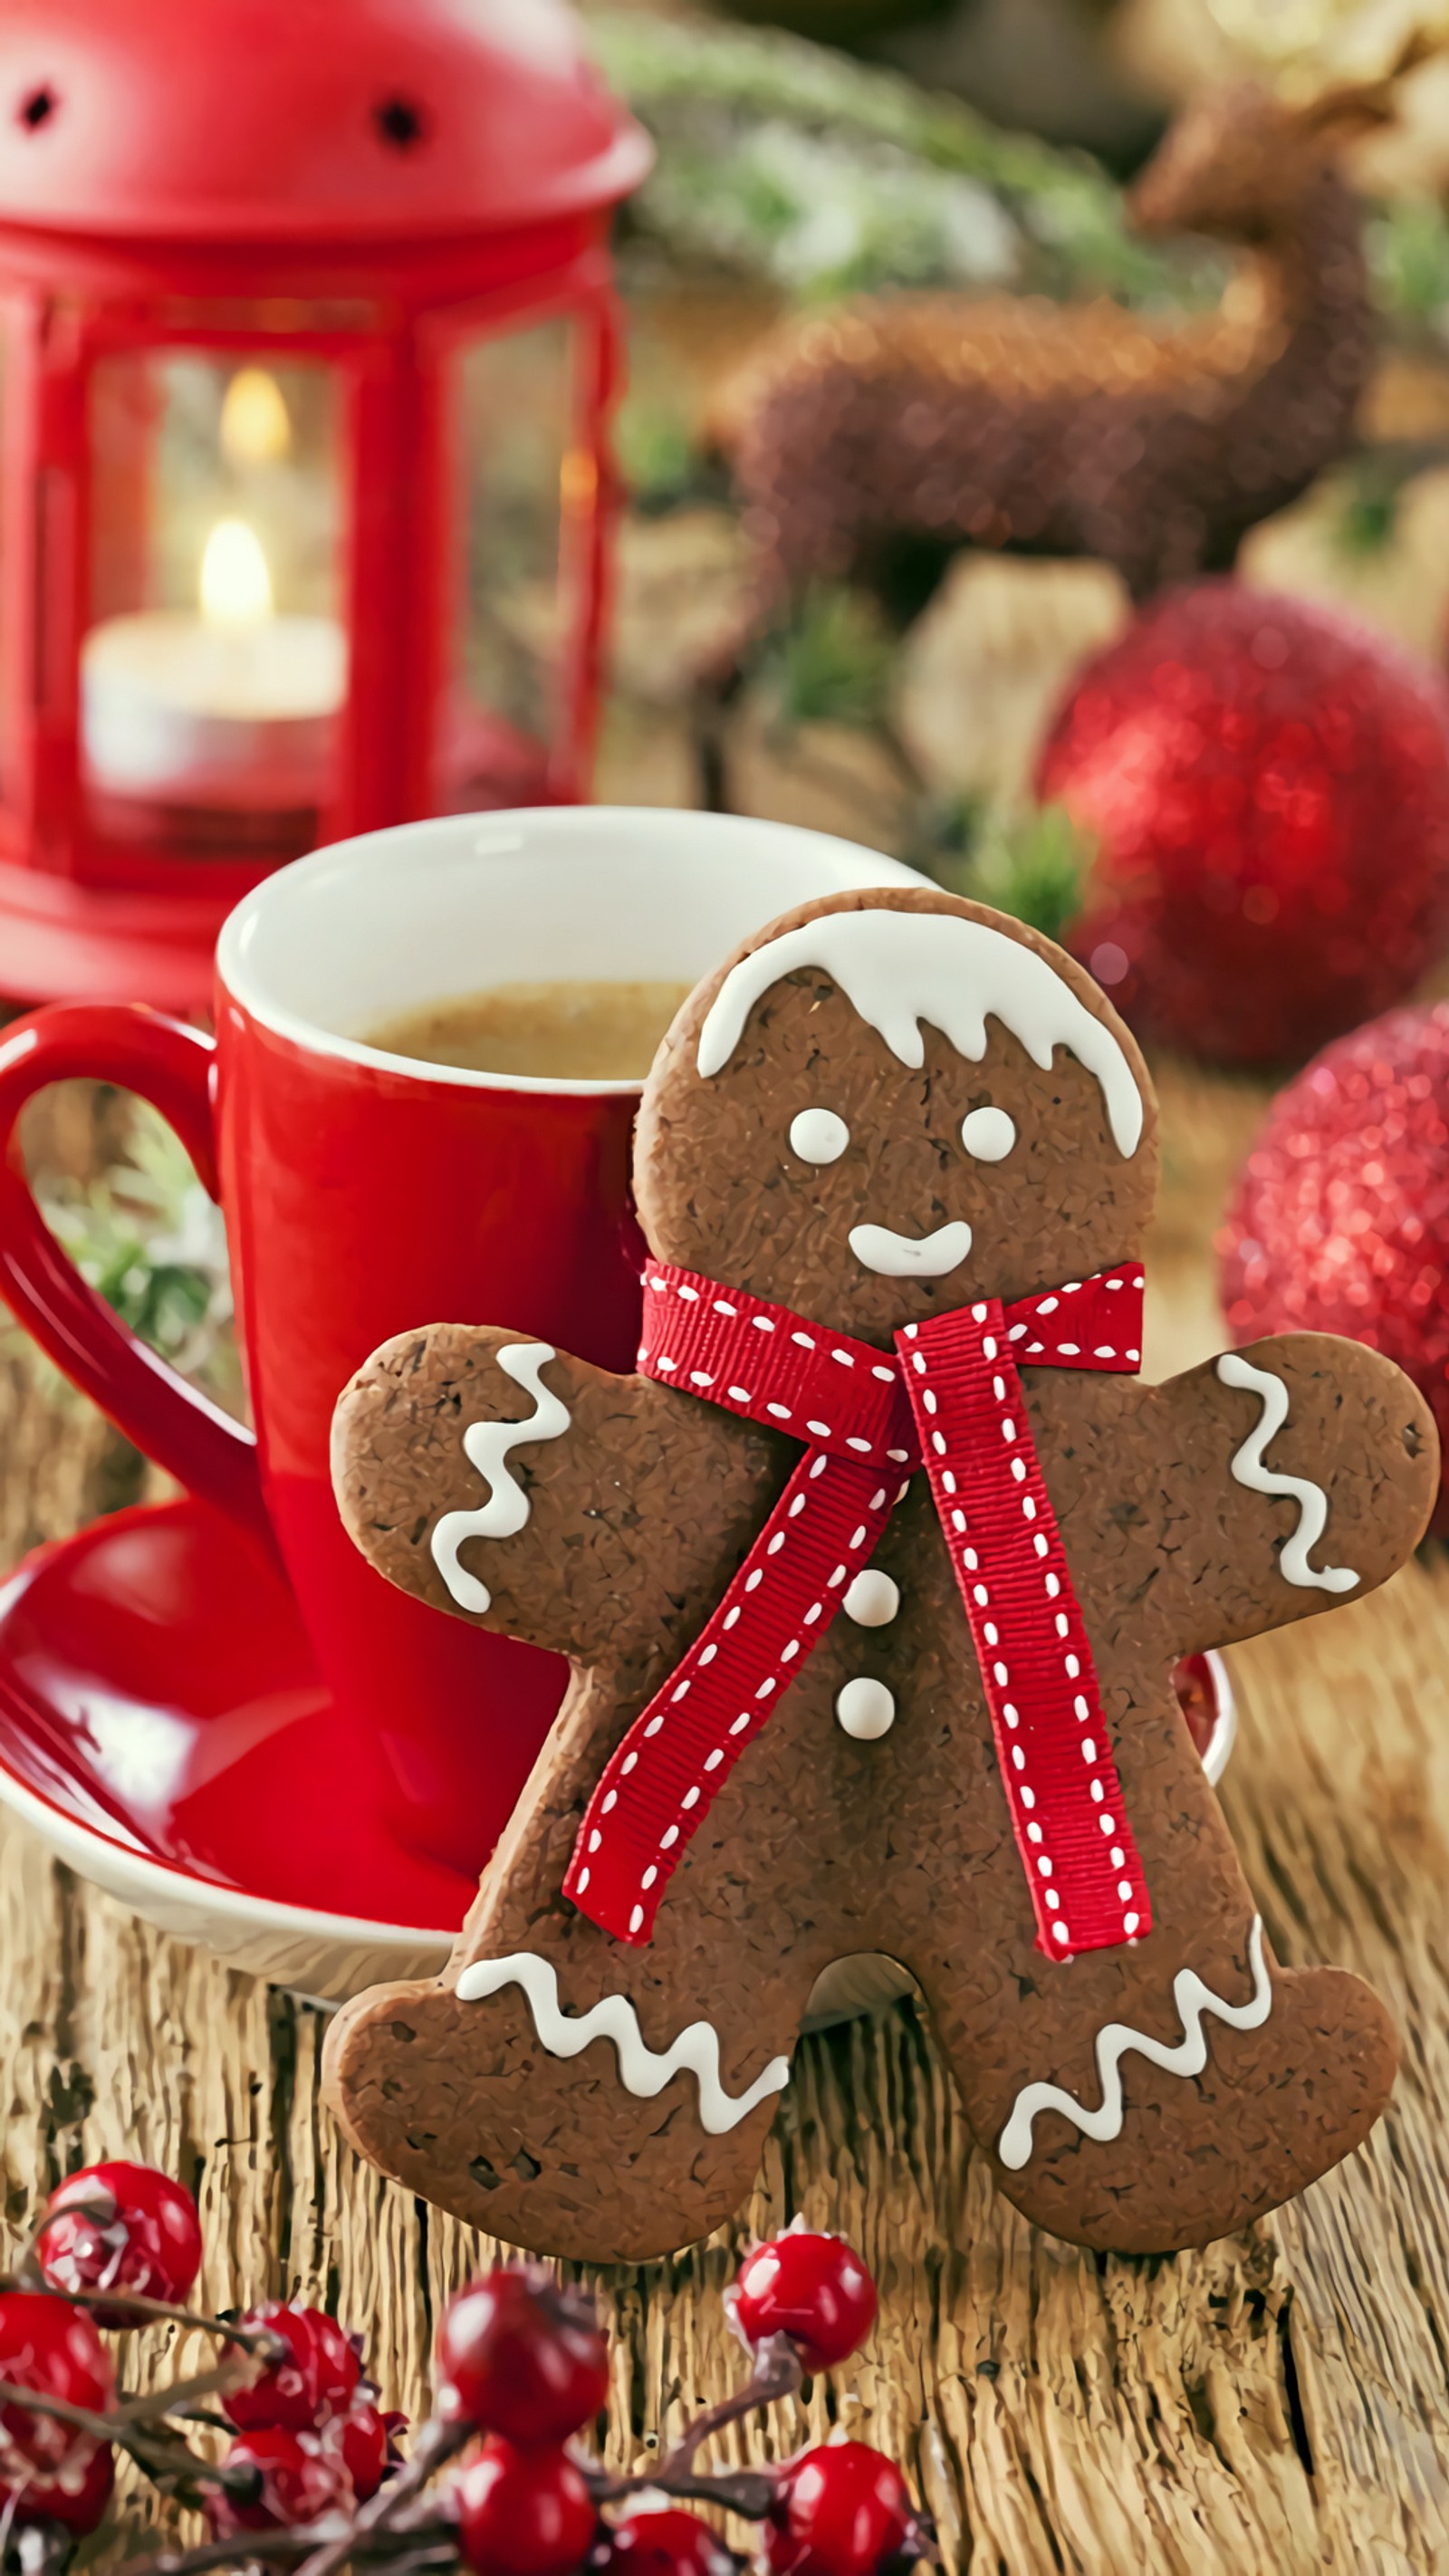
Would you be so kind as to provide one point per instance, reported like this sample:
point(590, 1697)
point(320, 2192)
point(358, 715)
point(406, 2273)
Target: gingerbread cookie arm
point(489, 1474)
point(1296, 1473)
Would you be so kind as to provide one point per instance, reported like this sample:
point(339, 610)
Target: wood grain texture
point(1278, 2403)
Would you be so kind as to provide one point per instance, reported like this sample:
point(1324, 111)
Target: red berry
point(316, 2381)
point(815, 2289)
point(522, 2512)
point(76, 2496)
point(361, 2435)
point(519, 2355)
point(53, 2348)
point(299, 2479)
point(840, 2511)
point(144, 2235)
point(49, 2472)
point(1268, 788)
point(669, 2542)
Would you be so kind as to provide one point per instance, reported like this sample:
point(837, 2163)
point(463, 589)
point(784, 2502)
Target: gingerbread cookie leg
point(569, 2093)
point(1165, 2093)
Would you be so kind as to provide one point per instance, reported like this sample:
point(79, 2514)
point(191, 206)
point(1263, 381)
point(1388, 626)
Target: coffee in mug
point(572, 1029)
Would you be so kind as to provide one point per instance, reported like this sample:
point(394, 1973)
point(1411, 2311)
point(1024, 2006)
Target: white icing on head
point(486, 1445)
point(900, 968)
point(642, 2070)
point(1188, 2058)
point(818, 1136)
point(911, 1256)
point(988, 1134)
point(1248, 1469)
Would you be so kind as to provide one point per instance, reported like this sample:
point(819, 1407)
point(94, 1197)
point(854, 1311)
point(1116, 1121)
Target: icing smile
point(911, 1256)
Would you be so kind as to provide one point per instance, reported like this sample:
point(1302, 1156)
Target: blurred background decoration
point(794, 164)
point(986, 156)
point(886, 435)
point(798, 165)
point(307, 354)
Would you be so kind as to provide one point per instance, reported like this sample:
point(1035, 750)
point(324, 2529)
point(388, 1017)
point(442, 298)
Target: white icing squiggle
point(486, 1446)
point(1188, 2058)
point(642, 2070)
point(1248, 1469)
point(898, 968)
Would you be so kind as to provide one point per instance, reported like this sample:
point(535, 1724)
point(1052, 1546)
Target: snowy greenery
point(1408, 248)
point(786, 161)
point(1032, 865)
point(147, 1238)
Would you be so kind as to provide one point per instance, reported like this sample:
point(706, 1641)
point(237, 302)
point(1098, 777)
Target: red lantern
point(307, 349)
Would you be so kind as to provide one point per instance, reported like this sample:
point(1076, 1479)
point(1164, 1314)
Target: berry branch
point(311, 2481)
point(777, 2373)
point(436, 2443)
point(164, 2456)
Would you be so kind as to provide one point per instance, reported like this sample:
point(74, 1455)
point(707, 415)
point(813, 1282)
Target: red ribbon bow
point(950, 1400)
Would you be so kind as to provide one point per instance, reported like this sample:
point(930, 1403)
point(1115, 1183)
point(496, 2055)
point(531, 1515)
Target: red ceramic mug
point(366, 1192)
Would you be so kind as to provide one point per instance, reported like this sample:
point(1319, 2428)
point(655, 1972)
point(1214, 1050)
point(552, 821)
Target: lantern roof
point(304, 120)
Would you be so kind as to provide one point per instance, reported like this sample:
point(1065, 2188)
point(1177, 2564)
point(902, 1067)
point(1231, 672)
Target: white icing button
point(988, 1134)
point(872, 1601)
point(818, 1136)
point(865, 1708)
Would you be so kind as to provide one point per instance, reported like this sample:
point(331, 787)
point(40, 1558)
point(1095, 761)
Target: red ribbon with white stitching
point(951, 1398)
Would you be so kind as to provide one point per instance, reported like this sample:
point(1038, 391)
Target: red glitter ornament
point(1268, 789)
point(1339, 1222)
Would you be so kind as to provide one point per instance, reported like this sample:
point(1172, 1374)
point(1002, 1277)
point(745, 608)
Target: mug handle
point(172, 1066)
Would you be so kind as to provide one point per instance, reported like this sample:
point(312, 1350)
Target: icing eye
point(988, 1134)
point(818, 1136)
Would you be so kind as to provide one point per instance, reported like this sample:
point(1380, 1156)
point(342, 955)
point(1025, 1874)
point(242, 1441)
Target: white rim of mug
point(1218, 1749)
point(505, 831)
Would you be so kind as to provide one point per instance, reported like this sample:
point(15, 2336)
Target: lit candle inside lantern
point(235, 587)
point(233, 707)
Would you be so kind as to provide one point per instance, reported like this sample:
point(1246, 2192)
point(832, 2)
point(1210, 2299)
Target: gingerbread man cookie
point(873, 1579)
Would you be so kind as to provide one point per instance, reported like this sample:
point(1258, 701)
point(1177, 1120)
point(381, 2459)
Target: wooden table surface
point(1280, 2402)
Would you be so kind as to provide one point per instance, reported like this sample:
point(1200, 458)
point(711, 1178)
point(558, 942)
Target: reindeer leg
point(715, 697)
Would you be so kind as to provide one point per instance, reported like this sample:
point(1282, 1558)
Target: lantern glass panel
point(516, 409)
point(214, 665)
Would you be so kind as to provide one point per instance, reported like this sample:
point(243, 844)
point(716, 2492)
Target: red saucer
point(163, 1726)
point(157, 1690)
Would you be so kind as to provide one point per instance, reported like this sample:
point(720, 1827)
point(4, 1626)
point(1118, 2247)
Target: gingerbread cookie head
point(889, 1103)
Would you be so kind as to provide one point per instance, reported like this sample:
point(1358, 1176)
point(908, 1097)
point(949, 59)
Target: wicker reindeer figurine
point(1010, 422)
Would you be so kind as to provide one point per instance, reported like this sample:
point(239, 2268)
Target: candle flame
point(236, 587)
point(254, 427)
